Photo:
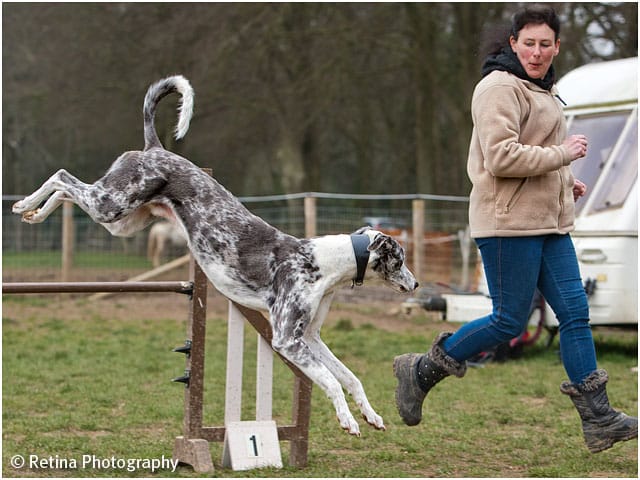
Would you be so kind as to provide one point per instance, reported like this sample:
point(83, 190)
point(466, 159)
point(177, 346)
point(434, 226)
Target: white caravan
point(602, 103)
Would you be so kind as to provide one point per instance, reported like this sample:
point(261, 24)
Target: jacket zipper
point(561, 197)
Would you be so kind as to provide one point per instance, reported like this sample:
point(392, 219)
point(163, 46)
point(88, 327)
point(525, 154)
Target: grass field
point(87, 266)
point(83, 378)
point(82, 259)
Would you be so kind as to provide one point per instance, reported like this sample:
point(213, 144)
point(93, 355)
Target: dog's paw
point(369, 414)
point(19, 207)
point(375, 421)
point(31, 216)
point(350, 426)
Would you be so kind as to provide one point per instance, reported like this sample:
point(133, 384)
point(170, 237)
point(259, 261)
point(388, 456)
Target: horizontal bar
point(94, 287)
point(354, 196)
point(322, 195)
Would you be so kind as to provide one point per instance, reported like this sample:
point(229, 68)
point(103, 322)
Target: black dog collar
point(360, 245)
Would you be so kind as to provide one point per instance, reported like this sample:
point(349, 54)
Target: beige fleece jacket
point(522, 184)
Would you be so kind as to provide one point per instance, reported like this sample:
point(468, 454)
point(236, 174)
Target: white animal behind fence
point(163, 236)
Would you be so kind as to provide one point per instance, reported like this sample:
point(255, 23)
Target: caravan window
point(603, 131)
point(622, 173)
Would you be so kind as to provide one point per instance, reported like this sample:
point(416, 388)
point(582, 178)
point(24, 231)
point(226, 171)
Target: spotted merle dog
point(246, 259)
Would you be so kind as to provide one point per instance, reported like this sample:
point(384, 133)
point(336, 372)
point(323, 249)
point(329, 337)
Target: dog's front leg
point(348, 380)
point(296, 350)
point(346, 377)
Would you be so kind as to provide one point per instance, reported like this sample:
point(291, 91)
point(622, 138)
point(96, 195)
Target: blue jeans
point(514, 268)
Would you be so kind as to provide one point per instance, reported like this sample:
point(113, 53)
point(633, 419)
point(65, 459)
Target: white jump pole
point(235, 354)
point(264, 371)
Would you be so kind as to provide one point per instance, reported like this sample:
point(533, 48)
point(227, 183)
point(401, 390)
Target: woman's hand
point(579, 189)
point(577, 146)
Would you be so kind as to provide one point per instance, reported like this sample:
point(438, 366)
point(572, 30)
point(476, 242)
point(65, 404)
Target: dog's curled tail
point(156, 92)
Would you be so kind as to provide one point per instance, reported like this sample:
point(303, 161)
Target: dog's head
point(387, 261)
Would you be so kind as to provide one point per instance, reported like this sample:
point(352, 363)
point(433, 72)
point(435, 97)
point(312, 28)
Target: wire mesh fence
point(35, 252)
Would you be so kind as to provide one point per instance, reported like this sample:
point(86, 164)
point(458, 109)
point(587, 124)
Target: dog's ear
point(379, 241)
point(361, 230)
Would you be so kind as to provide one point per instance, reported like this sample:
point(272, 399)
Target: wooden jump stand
point(192, 447)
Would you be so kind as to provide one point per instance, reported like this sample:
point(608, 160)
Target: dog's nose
point(416, 285)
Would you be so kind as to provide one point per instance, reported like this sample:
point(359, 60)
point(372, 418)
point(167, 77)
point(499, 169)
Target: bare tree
point(355, 97)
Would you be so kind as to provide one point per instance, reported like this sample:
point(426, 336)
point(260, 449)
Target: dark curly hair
point(495, 38)
point(538, 15)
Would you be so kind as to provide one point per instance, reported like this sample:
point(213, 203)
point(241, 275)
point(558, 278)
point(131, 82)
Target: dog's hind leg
point(40, 214)
point(114, 209)
point(346, 377)
point(58, 184)
point(64, 186)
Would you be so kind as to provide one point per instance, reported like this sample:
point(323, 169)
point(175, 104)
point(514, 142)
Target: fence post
point(310, 224)
point(418, 237)
point(67, 240)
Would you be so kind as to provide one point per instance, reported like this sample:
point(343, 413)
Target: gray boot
point(417, 374)
point(602, 425)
